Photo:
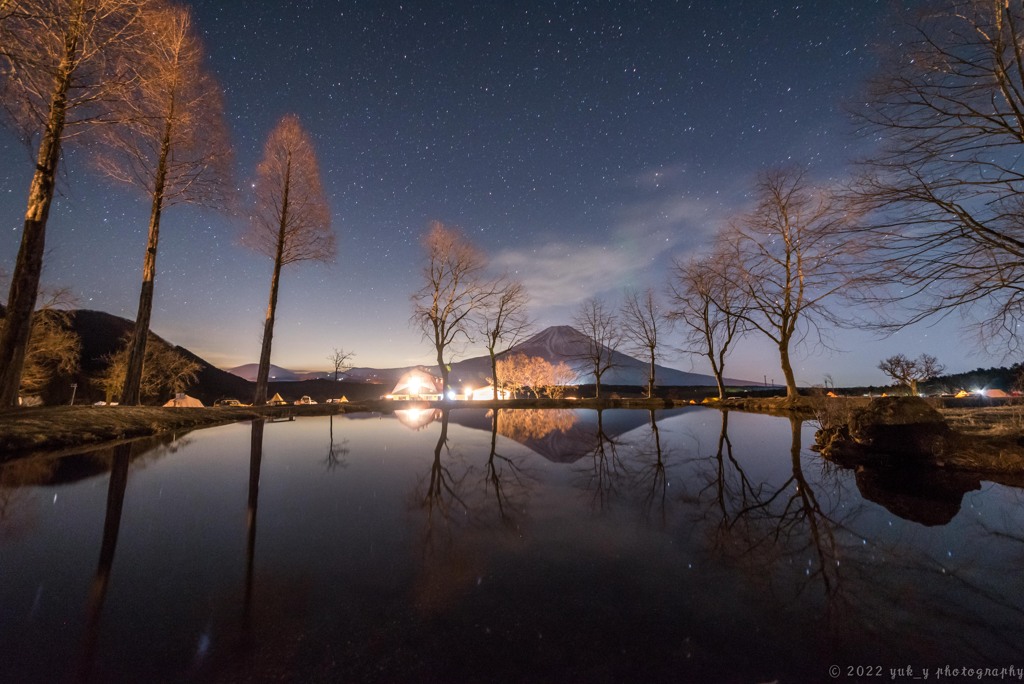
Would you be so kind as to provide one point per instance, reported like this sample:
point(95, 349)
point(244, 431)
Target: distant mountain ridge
point(563, 343)
point(555, 344)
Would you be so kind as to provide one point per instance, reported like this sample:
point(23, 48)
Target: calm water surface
point(555, 546)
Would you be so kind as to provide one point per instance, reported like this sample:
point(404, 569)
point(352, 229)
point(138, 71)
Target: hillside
point(102, 333)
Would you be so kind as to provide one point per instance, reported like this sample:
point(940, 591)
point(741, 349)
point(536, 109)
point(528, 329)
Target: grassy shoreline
point(992, 435)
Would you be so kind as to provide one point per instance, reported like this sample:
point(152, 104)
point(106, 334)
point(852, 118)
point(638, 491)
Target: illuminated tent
point(417, 383)
point(184, 401)
point(276, 400)
point(485, 393)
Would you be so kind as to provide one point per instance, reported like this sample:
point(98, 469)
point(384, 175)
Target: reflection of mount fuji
point(562, 343)
point(560, 435)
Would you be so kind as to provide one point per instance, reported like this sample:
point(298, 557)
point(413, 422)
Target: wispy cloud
point(643, 237)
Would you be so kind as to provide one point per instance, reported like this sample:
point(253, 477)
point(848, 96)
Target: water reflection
point(683, 545)
point(603, 471)
point(504, 476)
point(652, 476)
point(336, 452)
point(101, 581)
point(255, 462)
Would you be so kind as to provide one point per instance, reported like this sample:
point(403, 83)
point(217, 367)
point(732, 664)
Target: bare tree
point(341, 360)
point(909, 372)
point(504, 321)
point(166, 371)
point(60, 68)
point(947, 108)
point(602, 337)
point(643, 319)
point(453, 291)
point(789, 260)
point(291, 222)
point(706, 302)
point(173, 144)
point(53, 346)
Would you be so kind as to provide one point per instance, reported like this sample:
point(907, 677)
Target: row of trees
point(129, 78)
point(930, 220)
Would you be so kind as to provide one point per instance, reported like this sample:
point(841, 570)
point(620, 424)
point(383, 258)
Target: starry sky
point(581, 145)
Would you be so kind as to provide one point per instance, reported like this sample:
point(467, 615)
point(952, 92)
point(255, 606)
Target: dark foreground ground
point(992, 437)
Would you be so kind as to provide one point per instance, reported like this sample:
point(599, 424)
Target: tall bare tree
point(291, 221)
point(946, 183)
point(60, 69)
point(172, 144)
point(454, 291)
point(340, 359)
point(504, 321)
point(706, 302)
point(644, 325)
point(603, 335)
point(790, 260)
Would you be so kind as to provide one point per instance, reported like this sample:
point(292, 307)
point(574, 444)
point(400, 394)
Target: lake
point(543, 545)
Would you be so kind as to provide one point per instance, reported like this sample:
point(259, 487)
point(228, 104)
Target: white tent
point(417, 384)
point(183, 400)
point(485, 393)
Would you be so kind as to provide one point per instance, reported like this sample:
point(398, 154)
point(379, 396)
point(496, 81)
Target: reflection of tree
point(796, 535)
point(652, 477)
point(521, 425)
point(446, 568)
point(101, 580)
point(255, 462)
point(336, 453)
point(607, 468)
point(502, 475)
point(442, 494)
point(767, 523)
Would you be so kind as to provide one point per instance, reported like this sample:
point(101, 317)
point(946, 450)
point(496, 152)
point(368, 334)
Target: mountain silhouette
point(565, 344)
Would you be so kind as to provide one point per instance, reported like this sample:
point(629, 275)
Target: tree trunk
point(720, 381)
point(650, 378)
point(131, 393)
point(787, 371)
point(263, 374)
point(28, 268)
point(494, 377)
point(597, 385)
point(444, 372)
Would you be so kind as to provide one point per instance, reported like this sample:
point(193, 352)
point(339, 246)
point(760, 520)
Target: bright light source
point(451, 394)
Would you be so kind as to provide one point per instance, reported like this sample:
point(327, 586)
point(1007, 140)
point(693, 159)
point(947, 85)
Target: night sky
point(581, 145)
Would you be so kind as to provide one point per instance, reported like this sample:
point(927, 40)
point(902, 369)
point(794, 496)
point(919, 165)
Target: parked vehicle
point(228, 402)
